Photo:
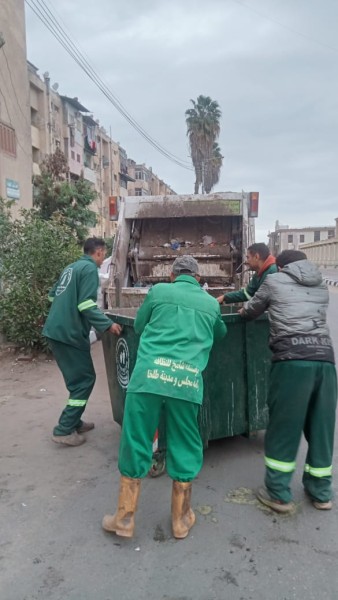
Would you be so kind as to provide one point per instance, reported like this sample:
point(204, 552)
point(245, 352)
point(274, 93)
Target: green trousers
point(302, 398)
point(78, 372)
point(183, 441)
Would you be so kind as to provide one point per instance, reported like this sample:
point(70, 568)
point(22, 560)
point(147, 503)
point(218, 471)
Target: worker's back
point(179, 323)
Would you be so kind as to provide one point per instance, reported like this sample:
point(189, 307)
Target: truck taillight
point(113, 208)
point(253, 204)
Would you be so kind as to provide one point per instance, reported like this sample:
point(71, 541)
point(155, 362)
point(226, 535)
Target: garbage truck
point(153, 230)
point(216, 229)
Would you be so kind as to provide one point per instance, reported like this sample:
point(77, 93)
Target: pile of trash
point(206, 240)
point(175, 244)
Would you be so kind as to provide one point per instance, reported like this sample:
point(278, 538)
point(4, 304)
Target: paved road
point(330, 273)
point(53, 499)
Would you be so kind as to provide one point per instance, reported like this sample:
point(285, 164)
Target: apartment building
point(35, 120)
point(46, 114)
point(286, 238)
point(15, 122)
point(125, 173)
point(145, 182)
point(64, 122)
point(106, 173)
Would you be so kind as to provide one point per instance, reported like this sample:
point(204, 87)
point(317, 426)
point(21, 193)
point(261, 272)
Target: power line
point(71, 48)
point(291, 29)
point(50, 21)
point(13, 87)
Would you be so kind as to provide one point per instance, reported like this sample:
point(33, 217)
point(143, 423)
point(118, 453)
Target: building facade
point(35, 120)
point(145, 182)
point(15, 122)
point(286, 238)
point(58, 121)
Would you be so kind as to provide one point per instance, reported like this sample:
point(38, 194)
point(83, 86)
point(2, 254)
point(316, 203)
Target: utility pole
point(49, 112)
point(111, 165)
point(101, 187)
point(203, 175)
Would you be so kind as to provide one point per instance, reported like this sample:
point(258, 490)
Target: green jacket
point(247, 293)
point(74, 310)
point(178, 323)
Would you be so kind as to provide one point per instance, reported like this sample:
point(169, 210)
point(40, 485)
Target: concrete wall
point(323, 254)
point(15, 170)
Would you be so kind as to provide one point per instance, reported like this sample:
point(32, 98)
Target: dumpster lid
point(123, 316)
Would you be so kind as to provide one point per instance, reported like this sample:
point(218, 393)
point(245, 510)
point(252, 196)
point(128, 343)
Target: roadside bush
point(33, 253)
point(55, 194)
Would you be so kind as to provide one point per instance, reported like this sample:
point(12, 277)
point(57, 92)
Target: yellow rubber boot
point(122, 522)
point(182, 516)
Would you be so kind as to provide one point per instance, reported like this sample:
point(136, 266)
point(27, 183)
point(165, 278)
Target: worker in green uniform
point(302, 393)
point(258, 259)
point(73, 312)
point(178, 323)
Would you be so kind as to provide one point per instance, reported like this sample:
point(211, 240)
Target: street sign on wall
point(12, 189)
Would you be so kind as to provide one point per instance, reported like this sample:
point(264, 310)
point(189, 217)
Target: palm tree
point(203, 128)
point(213, 168)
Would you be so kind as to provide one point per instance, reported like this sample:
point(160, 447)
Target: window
point(72, 136)
point(316, 236)
point(301, 238)
point(34, 117)
point(7, 139)
point(72, 154)
point(140, 192)
point(78, 158)
point(140, 175)
point(330, 234)
point(290, 239)
point(36, 155)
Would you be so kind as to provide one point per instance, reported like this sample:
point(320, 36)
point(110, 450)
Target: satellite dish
point(55, 87)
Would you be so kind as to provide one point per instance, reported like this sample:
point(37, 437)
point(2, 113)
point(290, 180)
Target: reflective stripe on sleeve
point(73, 402)
point(278, 465)
point(86, 304)
point(318, 471)
point(247, 295)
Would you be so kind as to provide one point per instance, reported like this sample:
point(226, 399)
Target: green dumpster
point(235, 380)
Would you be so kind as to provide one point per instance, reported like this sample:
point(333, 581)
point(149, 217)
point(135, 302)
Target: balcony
point(124, 175)
point(35, 137)
point(36, 169)
point(90, 146)
point(89, 175)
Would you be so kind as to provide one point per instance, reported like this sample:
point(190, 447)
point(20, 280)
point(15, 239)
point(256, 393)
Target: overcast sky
point(270, 64)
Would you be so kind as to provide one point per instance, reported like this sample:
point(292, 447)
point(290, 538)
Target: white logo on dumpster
point(122, 362)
